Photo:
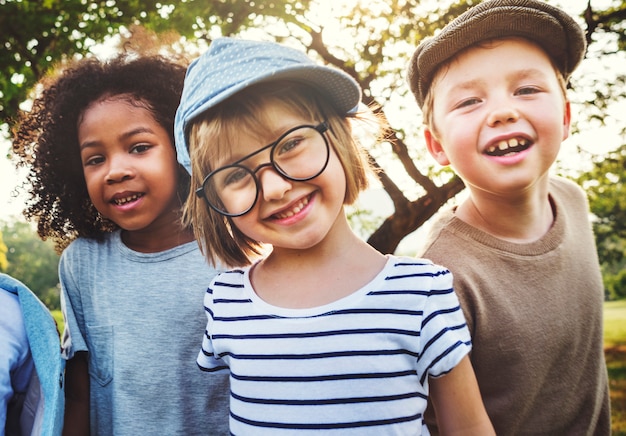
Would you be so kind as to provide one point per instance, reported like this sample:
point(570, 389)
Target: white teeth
point(121, 201)
point(297, 208)
point(503, 145)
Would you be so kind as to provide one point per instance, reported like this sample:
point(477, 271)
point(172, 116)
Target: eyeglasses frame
point(321, 128)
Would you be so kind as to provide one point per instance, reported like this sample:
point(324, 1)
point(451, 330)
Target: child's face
point(129, 164)
point(288, 214)
point(499, 116)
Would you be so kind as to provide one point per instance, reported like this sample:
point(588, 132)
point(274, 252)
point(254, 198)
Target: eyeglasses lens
point(299, 155)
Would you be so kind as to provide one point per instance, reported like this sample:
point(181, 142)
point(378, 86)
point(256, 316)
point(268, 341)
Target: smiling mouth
point(509, 146)
point(294, 210)
point(122, 201)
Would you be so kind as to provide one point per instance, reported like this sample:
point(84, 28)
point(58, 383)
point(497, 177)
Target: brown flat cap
point(549, 27)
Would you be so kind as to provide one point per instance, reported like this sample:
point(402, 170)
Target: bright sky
point(11, 206)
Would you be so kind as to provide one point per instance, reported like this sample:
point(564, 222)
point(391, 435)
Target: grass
point(615, 323)
point(615, 352)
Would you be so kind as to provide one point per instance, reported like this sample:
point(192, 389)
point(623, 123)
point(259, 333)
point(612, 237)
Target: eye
point(93, 160)
point(289, 144)
point(140, 148)
point(527, 90)
point(467, 102)
point(233, 176)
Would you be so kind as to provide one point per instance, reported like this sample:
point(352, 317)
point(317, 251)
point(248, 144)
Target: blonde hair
point(212, 132)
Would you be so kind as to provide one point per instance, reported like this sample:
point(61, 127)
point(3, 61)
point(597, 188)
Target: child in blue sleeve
point(31, 367)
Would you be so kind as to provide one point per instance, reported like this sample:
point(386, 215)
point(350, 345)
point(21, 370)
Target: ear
point(567, 119)
point(435, 149)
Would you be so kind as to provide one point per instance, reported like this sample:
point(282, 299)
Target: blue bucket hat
point(231, 65)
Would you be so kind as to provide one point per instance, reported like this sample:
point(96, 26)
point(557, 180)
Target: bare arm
point(76, 422)
point(458, 405)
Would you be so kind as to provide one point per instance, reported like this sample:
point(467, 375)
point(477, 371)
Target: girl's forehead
point(124, 100)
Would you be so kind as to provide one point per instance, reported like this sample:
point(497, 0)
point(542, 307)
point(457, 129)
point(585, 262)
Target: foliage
point(4, 263)
point(32, 261)
point(58, 318)
point(605, 185)
point(382, 35)
point(615, 352)
point(38, 33)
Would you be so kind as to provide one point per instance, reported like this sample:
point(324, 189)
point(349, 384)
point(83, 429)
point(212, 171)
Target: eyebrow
point(516, 75)
point(124, 135)
point(528, 72)
point(469, 84)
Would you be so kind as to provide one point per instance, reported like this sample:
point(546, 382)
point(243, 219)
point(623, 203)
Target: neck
point(522, 220)
point(163, 234)
point(316, 276)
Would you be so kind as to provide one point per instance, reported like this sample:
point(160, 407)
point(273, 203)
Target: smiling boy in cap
point(492, 88)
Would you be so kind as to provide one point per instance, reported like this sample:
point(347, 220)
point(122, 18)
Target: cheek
point(247, 224)
point(92, 184)
point(335, 176)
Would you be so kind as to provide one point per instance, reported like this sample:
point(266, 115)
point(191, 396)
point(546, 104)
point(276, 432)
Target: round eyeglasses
point(300, 154)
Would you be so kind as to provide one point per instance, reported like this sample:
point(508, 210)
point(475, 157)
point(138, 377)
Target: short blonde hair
point(212, 132)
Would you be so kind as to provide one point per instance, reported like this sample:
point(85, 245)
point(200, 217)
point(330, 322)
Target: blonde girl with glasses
point(324, 333)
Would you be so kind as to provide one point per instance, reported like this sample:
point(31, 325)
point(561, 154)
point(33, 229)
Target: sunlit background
point(598, 140)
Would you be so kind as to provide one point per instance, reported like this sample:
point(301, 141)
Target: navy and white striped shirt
point(359, 365)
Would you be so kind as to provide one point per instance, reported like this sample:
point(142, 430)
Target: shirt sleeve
point(206, 360)
point(444, 333)
point(72, 339)
point(16, 364)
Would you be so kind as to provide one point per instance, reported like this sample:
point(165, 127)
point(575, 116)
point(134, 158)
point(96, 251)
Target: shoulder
point(570, 202)
point(9, 283)
point(566, 189)
point(228, 286)
point(81, 246)
point(439, 228)
point(231, 278)
point(407, 263)
point(449, 236)
point(22, 293)
point(403, 268)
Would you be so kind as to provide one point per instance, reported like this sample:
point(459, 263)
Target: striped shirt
point(359, 365)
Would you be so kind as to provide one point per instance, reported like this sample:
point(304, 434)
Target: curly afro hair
point(46, 137)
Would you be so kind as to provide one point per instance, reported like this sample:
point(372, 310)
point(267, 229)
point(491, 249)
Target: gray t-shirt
point(140, 317)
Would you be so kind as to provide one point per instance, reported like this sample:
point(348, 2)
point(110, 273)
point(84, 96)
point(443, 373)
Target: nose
point(118, 171)
point(504, 112)
point(273, 185)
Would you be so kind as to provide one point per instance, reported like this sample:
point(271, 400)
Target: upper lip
point(124, 197)
point(506, 144)
point(292, 208)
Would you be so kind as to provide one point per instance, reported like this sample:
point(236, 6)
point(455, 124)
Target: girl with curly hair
point(105, 185)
